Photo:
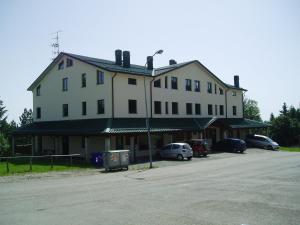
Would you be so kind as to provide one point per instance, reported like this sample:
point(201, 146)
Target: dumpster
point(97, 159)
point(116, 159)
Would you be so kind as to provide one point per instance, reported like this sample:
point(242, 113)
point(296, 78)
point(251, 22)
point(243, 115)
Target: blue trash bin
point(97, 159)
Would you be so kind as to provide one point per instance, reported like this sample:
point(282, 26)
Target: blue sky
point(258, 40)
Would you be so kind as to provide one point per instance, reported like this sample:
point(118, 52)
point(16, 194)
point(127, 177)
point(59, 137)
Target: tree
point(272, 117)
point(3, 117)
point(4, 146)
point(251, 110)
point(284, 109)
point(26, 117)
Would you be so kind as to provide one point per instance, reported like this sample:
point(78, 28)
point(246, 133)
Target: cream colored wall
point(52, 97)
point(75, 145)
point(193, 72)
point(124, 91)
point(234, 101)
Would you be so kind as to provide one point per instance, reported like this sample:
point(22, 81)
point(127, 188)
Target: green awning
point(235, 123)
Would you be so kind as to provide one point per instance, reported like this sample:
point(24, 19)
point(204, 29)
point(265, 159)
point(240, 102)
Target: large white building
point(84, 105)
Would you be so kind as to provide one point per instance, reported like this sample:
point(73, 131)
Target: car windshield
point(269, 139)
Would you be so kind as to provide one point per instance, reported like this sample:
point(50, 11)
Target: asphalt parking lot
point(258, 187)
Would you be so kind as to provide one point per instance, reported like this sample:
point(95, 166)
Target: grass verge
point(290, 149)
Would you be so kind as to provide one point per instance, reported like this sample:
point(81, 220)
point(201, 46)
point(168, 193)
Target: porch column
point(131, 148)
point(32, 145)
point(107, 144)
point(86, 141)
point(13, 145)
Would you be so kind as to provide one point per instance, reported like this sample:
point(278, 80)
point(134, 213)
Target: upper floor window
point(69, 62)
point(197, 109)
point(209, 87)
point(65, 84)
point(174, 84)
point(216, 109)
point(83, 106)
point(61, 65)
point(83, 80)
point(100, 106)
point(233, 93)
point(38, 90)
point(189, 109)
point(234, 110)
point(167, 108)
point(100, 77)
point(38, 112)
point(132, 81)
point(166, 81)
point(209, 109)
point(65, 110)
point(157, 107)
point(174, 107)
point(188, 85)
point(215, 88)
point(221, 91)
point(221, 110)
point(156, 83)
point(197, 85)
point(132, 107)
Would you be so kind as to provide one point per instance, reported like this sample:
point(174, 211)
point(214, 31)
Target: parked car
point(231, 145)
point(199, 146)
point(261, 141)
point(176, 151)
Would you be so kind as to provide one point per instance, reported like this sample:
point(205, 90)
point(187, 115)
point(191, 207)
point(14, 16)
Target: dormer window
point(69, 62)
point(209, 87)
point(157, 83)
point(61, 65)
point(221, 91)
point(233, 93)
point(38, 90)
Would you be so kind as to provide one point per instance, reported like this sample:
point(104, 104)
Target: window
point(174, 83)
point(167, 108)
point(132, 81)
point(157, 83)
point(233, 93)
point(209, 109)
point(83, 80)
point(209, 87)
point(61, 65)
point(38, 112)
point(174, 107)
point(197, 85)
point(197, 109)
point(65, 84)
point(221, 91)
point(216, 109)
point(189, 108)
point(188, 85)
point(69, 62)
point(100, 106)
point(166, 82)
point(221, 110)
point(234, 110)
point(215, 88)
point(100, 77)
point(83, 108)
point(132, 106)
point(157, 107)
point(65, 110)
point(82, 142)
point(38, 90)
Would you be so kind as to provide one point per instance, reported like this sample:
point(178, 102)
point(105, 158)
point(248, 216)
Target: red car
point(199, 146)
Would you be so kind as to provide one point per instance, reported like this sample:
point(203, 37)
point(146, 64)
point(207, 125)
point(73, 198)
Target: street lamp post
point(147, 116)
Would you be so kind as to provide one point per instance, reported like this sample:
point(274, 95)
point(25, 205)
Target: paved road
point(259, 187)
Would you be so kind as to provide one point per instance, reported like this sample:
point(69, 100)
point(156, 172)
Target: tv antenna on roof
point(55, 44)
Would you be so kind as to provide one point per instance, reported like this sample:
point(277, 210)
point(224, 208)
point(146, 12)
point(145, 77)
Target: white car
point(261, 141)
point(176, 151)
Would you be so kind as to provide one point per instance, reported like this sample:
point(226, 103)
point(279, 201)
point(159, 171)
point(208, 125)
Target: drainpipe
point(112, 96)
point(151, 96)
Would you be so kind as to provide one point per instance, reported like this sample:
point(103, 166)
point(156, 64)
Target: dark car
point(230, 145)
point(261, 141)
point(199, 146)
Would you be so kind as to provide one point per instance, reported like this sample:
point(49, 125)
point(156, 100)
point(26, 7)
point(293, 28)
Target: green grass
point(21, 166)
point(290, 149)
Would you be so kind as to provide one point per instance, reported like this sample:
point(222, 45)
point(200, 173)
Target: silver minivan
point(176, 151)
point(261, 141)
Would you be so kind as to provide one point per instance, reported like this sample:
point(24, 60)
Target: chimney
point(126, 59)
point(172, 62)
point(150, 62)
point(118, 54)
point(236, 81)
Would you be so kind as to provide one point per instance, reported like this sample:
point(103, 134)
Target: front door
point(119, 143)
point(65, 145)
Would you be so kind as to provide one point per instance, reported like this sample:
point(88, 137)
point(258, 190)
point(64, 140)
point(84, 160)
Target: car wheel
point(180, 157)
point(189, 158)
point(204, 155)
point(268, 147)
point(242, 152)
